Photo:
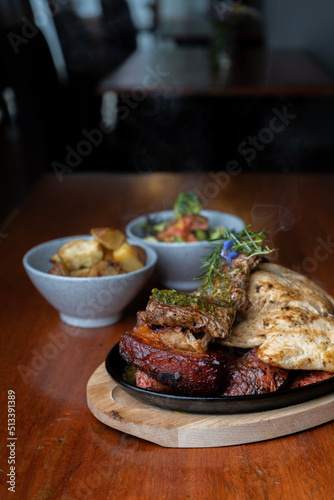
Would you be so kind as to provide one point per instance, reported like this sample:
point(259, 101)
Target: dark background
point(51, 61)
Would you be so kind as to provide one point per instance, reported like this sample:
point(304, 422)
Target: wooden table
point(185, 31)
point(62, 451)
point(188, 72)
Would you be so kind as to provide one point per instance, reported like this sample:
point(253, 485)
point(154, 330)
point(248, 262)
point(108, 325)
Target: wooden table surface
point(62, 451)
point(188, 71)
point(184, 30)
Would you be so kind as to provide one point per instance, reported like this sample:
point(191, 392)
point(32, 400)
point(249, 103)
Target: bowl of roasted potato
point(90, 279)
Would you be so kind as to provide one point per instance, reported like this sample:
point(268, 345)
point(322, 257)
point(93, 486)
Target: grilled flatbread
point(289, 317)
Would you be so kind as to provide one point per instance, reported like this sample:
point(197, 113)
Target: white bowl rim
point(150, 252)
point(176, 244)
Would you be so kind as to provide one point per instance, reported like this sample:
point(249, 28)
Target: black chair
point(52, 113)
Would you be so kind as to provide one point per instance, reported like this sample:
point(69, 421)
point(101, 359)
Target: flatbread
point(289, 317)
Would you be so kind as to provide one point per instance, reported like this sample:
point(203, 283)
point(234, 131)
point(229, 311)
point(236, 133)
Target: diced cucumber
point(201, 235)
point(216, 233)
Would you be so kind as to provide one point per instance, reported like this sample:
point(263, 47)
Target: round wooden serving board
point(110, 404)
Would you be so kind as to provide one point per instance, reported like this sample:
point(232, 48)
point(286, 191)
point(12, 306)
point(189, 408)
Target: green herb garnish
point(247, 242)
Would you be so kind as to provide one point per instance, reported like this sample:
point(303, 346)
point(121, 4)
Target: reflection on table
point(188, 71)
point(63, 451)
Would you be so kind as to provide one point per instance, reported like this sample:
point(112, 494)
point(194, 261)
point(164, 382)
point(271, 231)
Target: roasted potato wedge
point(55, 258)
point(80, 253)
point(141, 254)
point(126, 255)
point(59, 269)
point(108, 237)
point(105, 268)
point(80, 273)
point(112, 269)
point(108, 254)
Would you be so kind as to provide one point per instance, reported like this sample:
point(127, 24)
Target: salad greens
point(187, 204)
point(187, 225)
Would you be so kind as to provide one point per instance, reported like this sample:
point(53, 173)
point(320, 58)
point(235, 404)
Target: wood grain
point(63, 451)
point(112, 406)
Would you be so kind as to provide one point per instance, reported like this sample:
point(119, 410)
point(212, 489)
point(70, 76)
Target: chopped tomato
point(182, 228)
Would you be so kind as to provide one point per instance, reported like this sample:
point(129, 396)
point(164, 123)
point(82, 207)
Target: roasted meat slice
point(248, 375)
point(148, 383)
point(209, 310)
point(306, 377)
point(186, 372)
point(188, 311)
point(239, 274)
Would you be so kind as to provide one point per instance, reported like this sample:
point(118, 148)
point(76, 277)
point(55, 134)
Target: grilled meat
point(245, 375)
point(306, 377)
point(180, 344)
point(210, 310)
point(248, 375)
point(186, 372)
point(188, 311)
point(143, 381)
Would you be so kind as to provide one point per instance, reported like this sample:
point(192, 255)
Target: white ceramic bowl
point(86, 302)
point(179, 263)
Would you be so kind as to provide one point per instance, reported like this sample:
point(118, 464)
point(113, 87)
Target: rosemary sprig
point(247, 242)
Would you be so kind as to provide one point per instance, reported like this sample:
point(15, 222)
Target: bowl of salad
point(182, 238)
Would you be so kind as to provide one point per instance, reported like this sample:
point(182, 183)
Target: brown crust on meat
point(144, 381)
point(216, 324)
point(213, 318)
point(242, 268)
point(248, 375)
point(190, 373)
point(306, 377)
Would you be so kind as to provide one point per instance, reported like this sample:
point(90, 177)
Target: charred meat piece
point(248, 375)
point(238, 274)
point(306, 377)
point(209, 310)
point(148, 383)
point(230, 284)
point(179, 338)
point(171, 308)
point(186, 372)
